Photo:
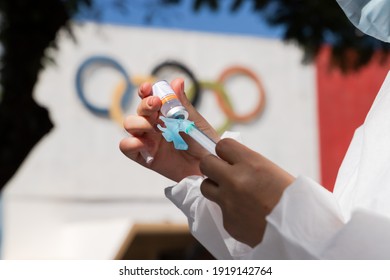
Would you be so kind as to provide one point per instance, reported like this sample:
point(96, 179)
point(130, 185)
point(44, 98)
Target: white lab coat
point(310, 222)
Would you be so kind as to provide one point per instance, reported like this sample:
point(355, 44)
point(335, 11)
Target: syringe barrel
point(202, 139)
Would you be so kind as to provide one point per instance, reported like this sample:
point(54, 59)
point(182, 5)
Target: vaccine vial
point(171, 106)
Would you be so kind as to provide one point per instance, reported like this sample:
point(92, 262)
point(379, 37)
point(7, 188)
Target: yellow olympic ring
point(115, 110)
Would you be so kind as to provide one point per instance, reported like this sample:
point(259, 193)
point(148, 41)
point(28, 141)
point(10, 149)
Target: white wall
point(79, 163)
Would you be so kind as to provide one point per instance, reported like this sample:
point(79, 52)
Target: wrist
point(275, 189)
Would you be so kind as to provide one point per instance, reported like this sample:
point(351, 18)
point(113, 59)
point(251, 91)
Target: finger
point(149, 106)
point(145, 90)
point(210, 190)
point(136, 125)
point(214, 168)
point(232, 151)
point(131, 147)
point(178, 86)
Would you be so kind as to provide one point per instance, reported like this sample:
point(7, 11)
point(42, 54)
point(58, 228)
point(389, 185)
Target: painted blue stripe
point(147, 14)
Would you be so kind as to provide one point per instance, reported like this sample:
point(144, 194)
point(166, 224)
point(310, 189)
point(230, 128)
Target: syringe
point(175, 119)
point(201, 138)
point(171, 133)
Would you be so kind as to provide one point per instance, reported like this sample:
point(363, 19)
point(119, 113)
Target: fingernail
point(182, 87)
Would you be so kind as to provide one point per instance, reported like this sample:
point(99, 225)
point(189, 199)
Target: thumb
point(178, 86)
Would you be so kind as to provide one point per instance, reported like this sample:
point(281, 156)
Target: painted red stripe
point(343, 102)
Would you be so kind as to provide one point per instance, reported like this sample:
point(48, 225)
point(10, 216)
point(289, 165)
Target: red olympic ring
point(226, 107)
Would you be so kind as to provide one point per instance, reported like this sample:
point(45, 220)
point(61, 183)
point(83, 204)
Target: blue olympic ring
point(111, 63)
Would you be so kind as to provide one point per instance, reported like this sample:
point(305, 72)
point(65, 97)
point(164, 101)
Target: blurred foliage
point(27, 29)
point(311, 24)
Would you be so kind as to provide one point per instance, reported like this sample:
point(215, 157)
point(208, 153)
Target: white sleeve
point(292, 231)
point(307, 224)
point(205, 219)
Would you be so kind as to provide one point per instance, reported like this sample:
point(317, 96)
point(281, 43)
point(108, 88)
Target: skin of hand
point(144, 135)
point(246, 186)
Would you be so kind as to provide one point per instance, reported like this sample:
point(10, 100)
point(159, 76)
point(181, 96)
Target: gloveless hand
point(246, 186)
point(144, 136)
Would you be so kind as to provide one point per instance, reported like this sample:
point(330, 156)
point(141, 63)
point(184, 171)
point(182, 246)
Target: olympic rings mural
point(122, 93)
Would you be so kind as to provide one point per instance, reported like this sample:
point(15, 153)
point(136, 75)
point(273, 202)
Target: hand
point(246, 186)
point(168, 161)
